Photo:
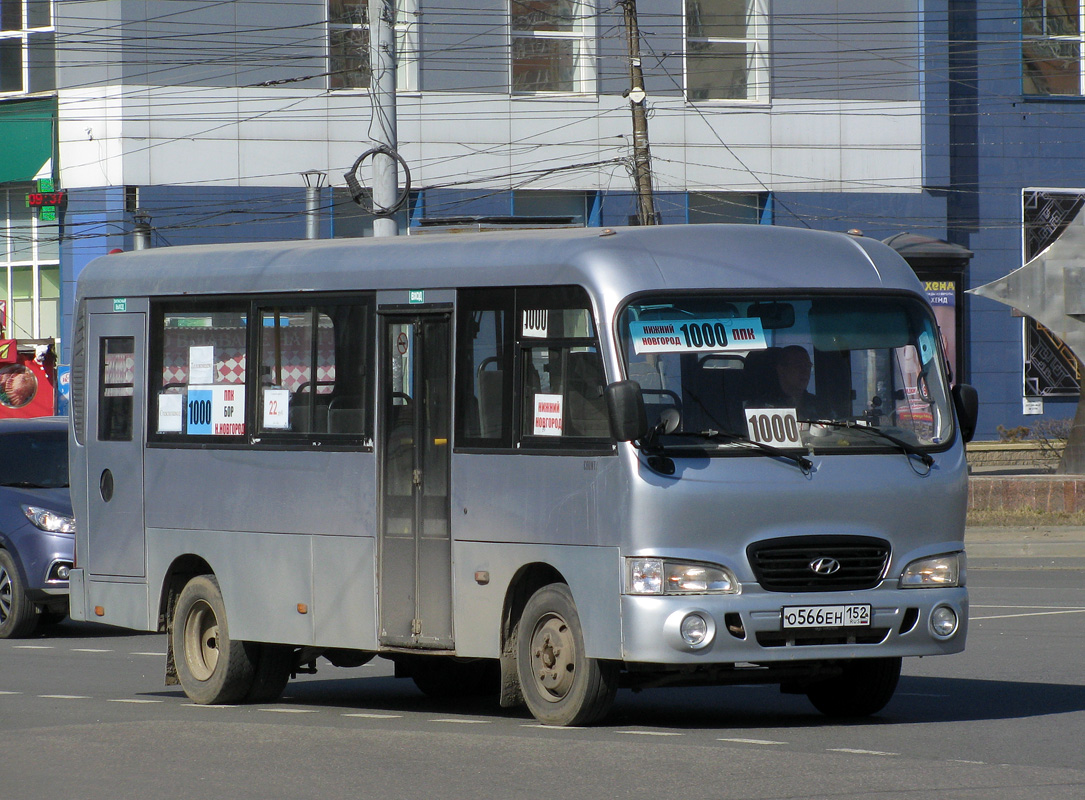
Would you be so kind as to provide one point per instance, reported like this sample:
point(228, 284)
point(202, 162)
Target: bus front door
point(115, 413)
point(415, 582)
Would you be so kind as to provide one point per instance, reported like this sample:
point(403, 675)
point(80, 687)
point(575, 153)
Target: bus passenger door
point(415, 582)
point(116, 384)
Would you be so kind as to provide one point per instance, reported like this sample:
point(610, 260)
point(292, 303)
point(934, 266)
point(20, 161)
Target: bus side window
point(484, 368)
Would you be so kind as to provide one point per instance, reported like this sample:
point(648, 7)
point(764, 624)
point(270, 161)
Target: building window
point(552, 46)
point(1051, 46)
point(348, 44)
point(26, 46)
point(29, 271)
point(726, 50)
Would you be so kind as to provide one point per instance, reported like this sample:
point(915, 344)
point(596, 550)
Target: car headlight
point(48, 520)
point(944, 570)
point(660, 576)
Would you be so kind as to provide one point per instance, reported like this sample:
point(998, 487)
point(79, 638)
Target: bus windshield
point(823, 372)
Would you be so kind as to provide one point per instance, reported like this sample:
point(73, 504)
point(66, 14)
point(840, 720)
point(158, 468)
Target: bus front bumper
point(687, 630)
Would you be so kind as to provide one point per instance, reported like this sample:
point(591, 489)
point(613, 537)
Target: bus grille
point(819, 563)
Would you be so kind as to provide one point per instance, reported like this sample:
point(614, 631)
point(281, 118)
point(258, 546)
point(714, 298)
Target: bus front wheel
point(863, 688)
point(211, 667)
point(560, 684)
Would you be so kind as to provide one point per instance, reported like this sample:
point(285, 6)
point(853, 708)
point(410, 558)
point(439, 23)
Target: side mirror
point(967, 402)
point(625, 407)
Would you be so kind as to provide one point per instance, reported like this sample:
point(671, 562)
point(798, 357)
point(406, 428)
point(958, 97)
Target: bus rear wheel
point(211, 667)
point(863, 688)
point(560, 684)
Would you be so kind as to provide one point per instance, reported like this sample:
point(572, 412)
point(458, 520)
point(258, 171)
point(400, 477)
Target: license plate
point(852, 616)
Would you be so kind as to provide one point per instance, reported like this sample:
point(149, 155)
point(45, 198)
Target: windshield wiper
point(801, 461)
point(906, 447)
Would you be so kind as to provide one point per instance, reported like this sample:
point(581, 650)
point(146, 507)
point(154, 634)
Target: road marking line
point(650, 733)
point(289, 710)
point(965, 761)
point(64, 696)
point(750, 741)
point(1031, 614)
point(133, 700)
point(374, 716)
point(552, 727)
point(207, 705)
point(860, 752)
point(160, 655)
point(10, 692)
point(89, 650)
point(32, 647)
point(464, 721)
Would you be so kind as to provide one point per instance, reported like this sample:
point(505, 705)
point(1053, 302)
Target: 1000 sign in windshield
point(791, 371)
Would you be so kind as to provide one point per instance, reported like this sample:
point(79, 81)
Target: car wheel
point(561, 685)
point(211, 667)
point(17, 615)
point(862, 689)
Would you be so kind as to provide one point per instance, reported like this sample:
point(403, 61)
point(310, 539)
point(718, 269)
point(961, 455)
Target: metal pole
point(314, 180)
point(141, 232)
point(382, 85)
point(642, 157)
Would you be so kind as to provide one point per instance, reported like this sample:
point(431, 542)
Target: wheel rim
point(553, 657)
point(5, 595)
point(201, 640)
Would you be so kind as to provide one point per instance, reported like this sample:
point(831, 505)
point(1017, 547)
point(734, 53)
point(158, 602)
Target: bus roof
point(613, 262)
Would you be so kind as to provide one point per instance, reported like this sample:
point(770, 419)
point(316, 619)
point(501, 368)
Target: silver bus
point(541, 464)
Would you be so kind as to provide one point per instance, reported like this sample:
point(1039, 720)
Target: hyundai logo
point(824, 565)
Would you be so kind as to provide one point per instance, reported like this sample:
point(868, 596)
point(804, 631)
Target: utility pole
point(382, 87)
point(642, 157)
point(314, 181)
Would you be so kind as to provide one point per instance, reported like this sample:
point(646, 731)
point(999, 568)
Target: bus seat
point(346, 414)
point(587, 414)
point(491, 384)
point(299, 418)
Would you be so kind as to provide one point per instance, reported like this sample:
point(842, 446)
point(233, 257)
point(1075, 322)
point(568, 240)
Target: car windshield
point(821, 372)
point(35, 460)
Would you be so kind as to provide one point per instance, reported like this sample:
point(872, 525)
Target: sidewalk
point(1034, 547)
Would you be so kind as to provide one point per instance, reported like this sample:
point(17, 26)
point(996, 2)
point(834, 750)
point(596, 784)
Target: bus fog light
point(943, 622)
point(694, 629)
point(689, 629)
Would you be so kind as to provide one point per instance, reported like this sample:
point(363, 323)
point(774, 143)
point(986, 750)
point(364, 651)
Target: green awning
point(27, 132)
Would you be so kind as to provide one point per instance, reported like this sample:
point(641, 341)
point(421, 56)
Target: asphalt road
point(84, 714)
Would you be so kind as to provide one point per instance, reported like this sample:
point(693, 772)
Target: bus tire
point(863, 688)
point(211, 667)
point(561, 685)
point(18, 618)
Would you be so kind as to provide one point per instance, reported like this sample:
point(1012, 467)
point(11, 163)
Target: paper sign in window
point(201, 365)
point(547, 415)
point(171, 413)
point(276, 409)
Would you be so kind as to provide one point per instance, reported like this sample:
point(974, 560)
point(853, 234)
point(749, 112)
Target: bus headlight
point(939, 571)
point(660, 576)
